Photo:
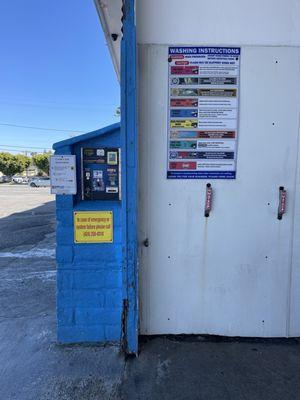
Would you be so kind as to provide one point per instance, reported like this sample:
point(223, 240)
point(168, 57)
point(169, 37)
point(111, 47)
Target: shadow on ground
point(27, 227)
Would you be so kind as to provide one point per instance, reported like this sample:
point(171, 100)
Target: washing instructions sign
point(93, 226)
point(203, 109)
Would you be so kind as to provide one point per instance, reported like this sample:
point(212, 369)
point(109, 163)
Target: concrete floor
point(34, 367)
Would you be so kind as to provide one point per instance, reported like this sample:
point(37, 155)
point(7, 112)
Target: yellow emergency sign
point(93, 226)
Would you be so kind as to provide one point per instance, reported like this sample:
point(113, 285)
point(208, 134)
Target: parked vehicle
point(17, 179)
point(40, 181)
point(4, 179)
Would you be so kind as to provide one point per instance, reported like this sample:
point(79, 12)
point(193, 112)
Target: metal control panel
point(101, 173)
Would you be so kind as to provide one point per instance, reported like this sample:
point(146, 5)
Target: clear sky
point(55, 71)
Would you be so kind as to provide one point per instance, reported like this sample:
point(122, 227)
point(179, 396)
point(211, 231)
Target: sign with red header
point(203, 108)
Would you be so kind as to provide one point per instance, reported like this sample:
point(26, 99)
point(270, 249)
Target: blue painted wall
point(129, 144)
point(89, 276)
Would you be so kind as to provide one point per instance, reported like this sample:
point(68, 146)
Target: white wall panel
point(232, 22)
point(228, 274)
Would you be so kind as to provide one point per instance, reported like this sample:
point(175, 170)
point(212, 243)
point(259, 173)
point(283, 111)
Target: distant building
point(32, 170)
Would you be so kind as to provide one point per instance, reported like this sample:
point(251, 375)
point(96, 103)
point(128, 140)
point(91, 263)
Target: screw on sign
point(208, 200)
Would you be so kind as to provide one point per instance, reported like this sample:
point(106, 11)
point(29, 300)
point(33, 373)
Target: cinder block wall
point(89, 276)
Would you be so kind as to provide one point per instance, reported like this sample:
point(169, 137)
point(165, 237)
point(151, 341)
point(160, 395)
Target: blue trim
point(87, 136)
point(129, 145)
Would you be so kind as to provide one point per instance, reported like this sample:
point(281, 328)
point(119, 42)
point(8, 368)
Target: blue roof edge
point(87, 136)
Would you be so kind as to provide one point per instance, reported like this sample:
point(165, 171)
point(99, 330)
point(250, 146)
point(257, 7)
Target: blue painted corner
point(129, 142)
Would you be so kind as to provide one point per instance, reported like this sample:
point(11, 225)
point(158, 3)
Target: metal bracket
point(282, 202)
point(208, 200)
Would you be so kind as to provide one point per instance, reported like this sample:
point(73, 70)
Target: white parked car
point(17, 179)
point(39, 181)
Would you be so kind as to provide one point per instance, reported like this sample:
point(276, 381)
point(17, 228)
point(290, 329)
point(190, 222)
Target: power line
point(23, 147)
point(55, 104)
point(24, 150)
point(18, 151)
point(41, 128)
point(86, 109)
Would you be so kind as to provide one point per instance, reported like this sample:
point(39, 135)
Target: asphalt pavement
point(34, 367)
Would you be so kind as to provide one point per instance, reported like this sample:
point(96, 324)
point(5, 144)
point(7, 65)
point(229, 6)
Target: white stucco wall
point(232, 22)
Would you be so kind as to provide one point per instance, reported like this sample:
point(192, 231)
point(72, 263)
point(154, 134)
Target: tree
point(23, 162)
point(42, 161)
point(13, 164)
